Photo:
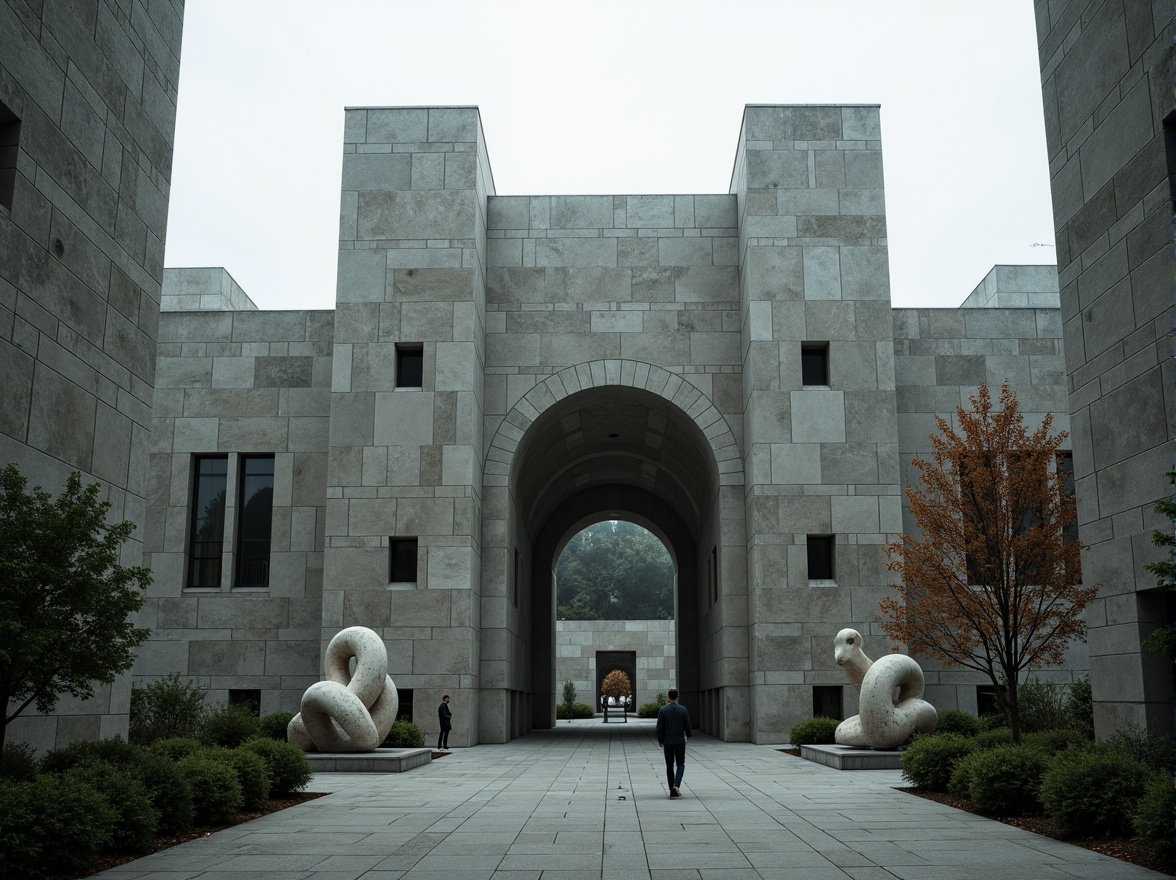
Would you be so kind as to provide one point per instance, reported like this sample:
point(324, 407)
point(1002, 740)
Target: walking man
point(446, 719)
point(673, 729)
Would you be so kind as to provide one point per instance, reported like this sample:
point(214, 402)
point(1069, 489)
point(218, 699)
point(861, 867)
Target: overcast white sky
point(603, 97)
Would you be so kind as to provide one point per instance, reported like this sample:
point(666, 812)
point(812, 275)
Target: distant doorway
point(607, 661)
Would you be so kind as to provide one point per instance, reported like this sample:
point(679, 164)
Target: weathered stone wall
point(1107, 71)
point(87, 109)
point(577, 641)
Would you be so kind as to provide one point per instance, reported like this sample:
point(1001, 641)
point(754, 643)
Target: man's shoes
point(675, 793)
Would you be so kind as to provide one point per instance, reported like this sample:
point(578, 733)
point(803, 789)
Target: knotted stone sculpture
point(885, 721)
point(348, 712)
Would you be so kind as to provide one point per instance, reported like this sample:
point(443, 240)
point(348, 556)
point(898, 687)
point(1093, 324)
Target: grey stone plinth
point(379, 761)
point(851, 758)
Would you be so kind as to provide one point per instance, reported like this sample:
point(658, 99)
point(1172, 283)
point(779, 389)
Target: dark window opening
point(402, 560)
point(410, 365)
point(9, 148)
point(1170, 155)
point(989, 701)
point(814, 363)
point(206, 539)
point(713, 575)
point(820, 557)
point(404, 707)
point(827, 701)
point(256, 512)
point(248, 697)
point(515, 579)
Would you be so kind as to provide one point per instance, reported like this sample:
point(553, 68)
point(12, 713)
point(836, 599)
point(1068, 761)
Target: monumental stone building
point(500, 371)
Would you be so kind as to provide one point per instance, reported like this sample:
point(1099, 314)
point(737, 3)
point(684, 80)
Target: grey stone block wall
point(234, 383)
point(578, 641)
point(1107, 72)
point(210, 289)
point(93, 85)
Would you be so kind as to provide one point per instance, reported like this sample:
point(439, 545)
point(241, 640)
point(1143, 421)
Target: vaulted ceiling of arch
point(613, 436)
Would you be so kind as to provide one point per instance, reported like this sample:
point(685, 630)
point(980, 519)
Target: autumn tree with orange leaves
point(994, 582)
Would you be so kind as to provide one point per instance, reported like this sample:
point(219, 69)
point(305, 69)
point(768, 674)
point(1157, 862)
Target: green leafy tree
point(64, 598)
point(615, 570)
point(569, 697)
point(1163, 640)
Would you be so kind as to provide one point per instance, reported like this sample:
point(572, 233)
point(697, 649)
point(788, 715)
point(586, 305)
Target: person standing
point(673, 730)
point(445, 716)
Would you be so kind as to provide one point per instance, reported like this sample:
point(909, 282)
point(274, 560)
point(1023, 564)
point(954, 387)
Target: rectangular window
point(713, 574)
point(9, 147)
point(402, 556)
point(249, 697)
point(814, 363)
point(989, 701)
point(515, 579)
point(206, 539)
point(404, 704)
point(255, 514)
point(820, 557)
point(827, 701)
point(410, 364)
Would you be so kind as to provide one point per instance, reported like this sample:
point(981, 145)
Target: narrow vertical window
point(255, 520)
point(820, 557)
point(515, 580)
point(206, 540)
point(814, 363)
point(402, 560)
point(9, 147)
point(410, 365)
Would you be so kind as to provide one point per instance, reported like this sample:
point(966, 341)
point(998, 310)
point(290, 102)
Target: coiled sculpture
point(349, 712)
point(885, 721)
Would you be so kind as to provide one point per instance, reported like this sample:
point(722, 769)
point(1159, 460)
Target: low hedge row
point(110, 796)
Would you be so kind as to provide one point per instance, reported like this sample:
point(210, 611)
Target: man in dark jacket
point(446, 719)
point(673, 729)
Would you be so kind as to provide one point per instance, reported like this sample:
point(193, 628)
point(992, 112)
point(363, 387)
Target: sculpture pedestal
point(379, 761)
point(851, 758)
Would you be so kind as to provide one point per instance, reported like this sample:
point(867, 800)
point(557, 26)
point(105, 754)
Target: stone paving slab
point(587, 801)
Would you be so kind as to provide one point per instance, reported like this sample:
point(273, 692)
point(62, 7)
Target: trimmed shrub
point(170, 792)
point(1051, 742)
point(404, 735)
point(960, 782)
point(813, 732)
point(1006, 780)
point(274, 725)
point(165, 709)
point(993, 722)
point(997, 736)
point(177, 748)
point(216, 793)
point(230, 725)
point(252, 774)
point(1092, 792)
point(18, 762)
point(1042, 706)
point(928, 761)
point(51, 826)
point(1155, 752)
point(1080, 705)
point(579, 710)
point(648, 710)
point(114, 750)
point(136, 818)
point(955, 721)
point(1155, 816)
point(289, 770)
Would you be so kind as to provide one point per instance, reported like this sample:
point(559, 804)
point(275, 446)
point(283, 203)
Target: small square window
point(820, 557)
point(9, 147)
point(248, 697)
point(410, 365)
point(827, 701)
point(814, 363)
point(402, 560)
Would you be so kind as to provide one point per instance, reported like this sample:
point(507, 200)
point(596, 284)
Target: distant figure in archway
point(673, 730)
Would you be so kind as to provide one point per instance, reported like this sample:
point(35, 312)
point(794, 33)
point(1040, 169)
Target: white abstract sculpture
point(348, 713)
point(885, 721)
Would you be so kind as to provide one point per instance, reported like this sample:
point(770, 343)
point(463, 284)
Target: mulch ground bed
point(105, 862)
point(1115, 847)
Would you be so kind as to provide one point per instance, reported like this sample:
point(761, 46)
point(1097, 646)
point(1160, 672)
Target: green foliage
point(18, 762)
point(1043, 706)
point(1006, 780)
point(579, 710)
point(1093, 792)
point(660, 699)
point(997, 736)
point(288, 768)
point(615, 570)
point(569, 698)
point(178, 747)
point(1163, 640)
point(165, 709)
point(216, 792)
point(274, 725)
point(813, 731)
point(962, 772)
point(1050, 742)
point(51, 825)
point(136, 817)
point(648, 710)
point(955, 721)
point(114, 750)
point(1080, 704)
point(1155, 752)
point(252, 773)
point(66, 602)
point(928, 761)
point(1154, 819)
point(230, 725)
point(993, 722)
point(170, 792)
point(404, 735)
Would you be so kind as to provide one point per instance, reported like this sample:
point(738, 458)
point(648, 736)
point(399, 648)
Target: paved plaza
point(588, 801)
